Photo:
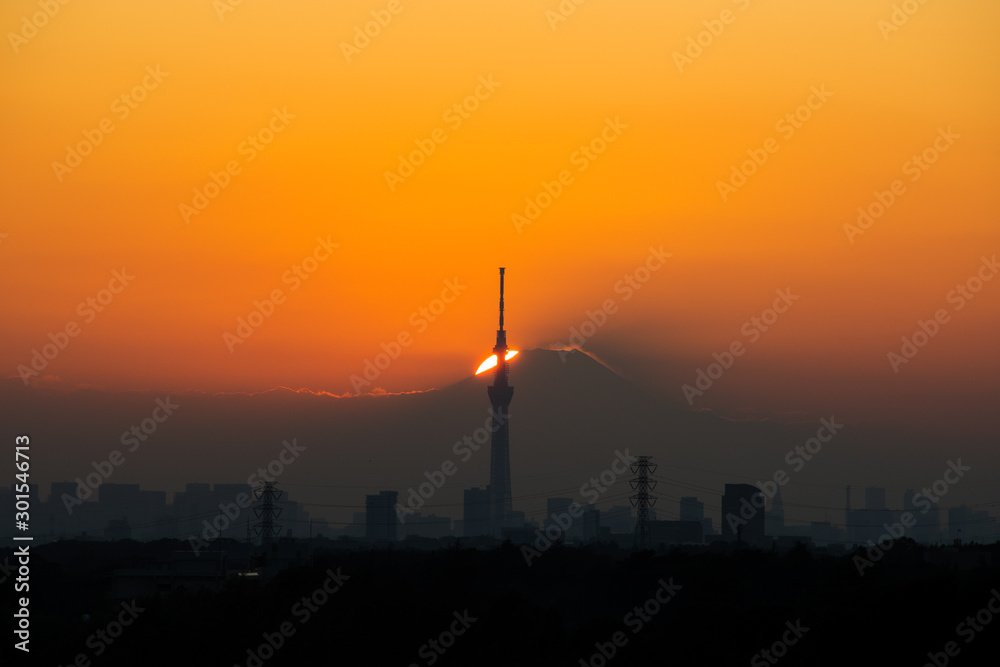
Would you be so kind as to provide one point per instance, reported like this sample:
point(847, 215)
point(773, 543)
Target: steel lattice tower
point(267, 510)
point(642, 500)
point(501, 393)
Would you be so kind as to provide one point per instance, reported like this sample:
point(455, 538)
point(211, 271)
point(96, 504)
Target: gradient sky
point(656, 184)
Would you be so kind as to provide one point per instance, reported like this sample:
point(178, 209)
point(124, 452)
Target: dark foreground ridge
point(459, 606)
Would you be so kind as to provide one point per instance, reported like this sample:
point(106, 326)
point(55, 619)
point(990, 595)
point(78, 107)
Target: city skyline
point(772, 450)
point(219, 511)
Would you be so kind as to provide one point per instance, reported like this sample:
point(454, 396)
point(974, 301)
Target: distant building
point(928, 526)
point(60, 521)
point(743, 514)
point(591, 521)
point(971, 525)
point(868, 523)
point(876, 515)
point(516, 519)
point(320, 528)
point(556, 506)
point(619, 519)
point(692, 509)
point(875, 498)
point(357, 526)
point(118, 529)
point(523, 535)
point(191, 507)
point(475, 512)
point(984, 528)
point(148, 516)
point(560, 507)
point(60, 488)
point(380, 516)
point(823, 532)
point(118, 496)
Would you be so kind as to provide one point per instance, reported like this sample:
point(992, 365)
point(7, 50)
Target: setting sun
point(492, 361)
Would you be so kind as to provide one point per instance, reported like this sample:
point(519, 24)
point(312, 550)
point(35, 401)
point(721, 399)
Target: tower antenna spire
point(501, 348)
point(501, 298)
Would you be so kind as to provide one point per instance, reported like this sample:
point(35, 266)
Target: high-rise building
point(118, 497)
point(63, 512)
point(928, 520)
point(357, 526)
point(743, 514)
point(557, 512)
point(619, 519)
point(500, 393)
point(876, 515)
point(972, 525)
point(692, 509)
point(149, 516)
point(556, 506)
point(982, 528)
point(476, 512)
point(380, 516)
point(958, 522)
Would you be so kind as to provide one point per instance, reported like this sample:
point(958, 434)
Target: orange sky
point(343, 124)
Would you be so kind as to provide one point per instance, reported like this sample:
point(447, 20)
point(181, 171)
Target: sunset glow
point(291, 204)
